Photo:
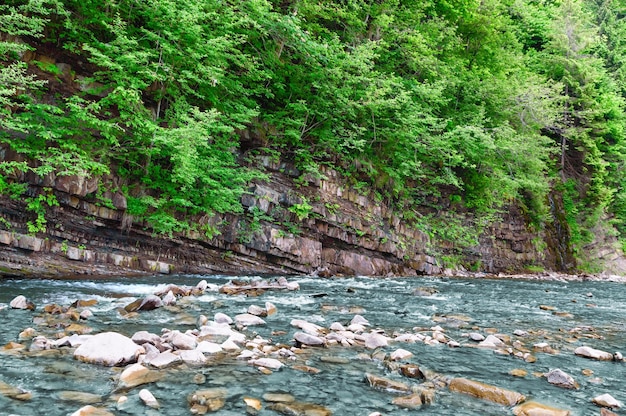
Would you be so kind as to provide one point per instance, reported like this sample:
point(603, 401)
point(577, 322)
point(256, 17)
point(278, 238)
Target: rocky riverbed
point(304, 346)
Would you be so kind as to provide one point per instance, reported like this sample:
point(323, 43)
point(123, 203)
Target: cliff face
point(319, 227)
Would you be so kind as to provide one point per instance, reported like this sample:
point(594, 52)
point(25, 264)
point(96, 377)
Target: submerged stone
point(538, 409)
point(487, 392)
point(382, 383)
point(297, 408)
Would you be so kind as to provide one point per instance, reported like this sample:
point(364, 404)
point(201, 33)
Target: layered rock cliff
point(320, 226)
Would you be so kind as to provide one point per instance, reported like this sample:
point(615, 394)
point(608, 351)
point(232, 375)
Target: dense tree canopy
point(483, 102)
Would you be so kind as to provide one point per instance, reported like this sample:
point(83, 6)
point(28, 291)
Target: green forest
point(485, 103)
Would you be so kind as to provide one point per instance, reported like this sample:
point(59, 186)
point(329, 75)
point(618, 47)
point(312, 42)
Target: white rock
point(162, 360)
point(271, 363)
point(491, 342)
point(618, 356)
point(202, 286)
point(108, 348)
point(520, 333)
point(475, 336)
point(375, 340)
point(594, 354)
point(606, 400)
point(401, 354)
point(143, 337)
point(85, 314)
point(358, 319)
point(561, 379)
point(308, 339)
point(336, 326)
point(270, 308)
point(192, 357)
point(182, 341)
point(169, 299)
point(148, 399)
point(207, 347)
point(19, 302)
point(308, 327)
point(229, 345)
point(222, 318)
point(356, 328)
point(73, 340)
point(256, 310)
point(247, 319)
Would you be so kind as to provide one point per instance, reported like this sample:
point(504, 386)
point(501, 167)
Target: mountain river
point(562, 314)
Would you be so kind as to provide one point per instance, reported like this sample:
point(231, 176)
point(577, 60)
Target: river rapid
point(563, 314)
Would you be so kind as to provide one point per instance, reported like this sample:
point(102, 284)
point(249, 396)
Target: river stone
point(247, 319)
point(148, 399)
point(278, 398)
point(606, 400)
point(81, 303)
point(487, 392)
point(412, 401)
point(382, 383)
point(182, 341)
point(334, 359)
point(207, 347)
point(491, 342)
point(607, 412)
point(89, 410)
point(169, 299)
point(108, 348)
point(79, 397)
point(336, 326)
point(26, 334)
point(594, 354)
point(222, 318)
point(136, 374)
point(401, 354)
point(358, 319)
point(270, 308)
point(202, 286)
point(20, 302)
point(257, 311)
point(375, 340)
point(192, 357)
point(297, 408)
point(559, 378)
point(270, 363)
point(307, 339)
point(163, 360)
point(14, 392)
point(143, 337)
point(253, 406)
point(538, 409)
point(475, 336)
point(411, 371)
point(308, 327)
point(212, 400)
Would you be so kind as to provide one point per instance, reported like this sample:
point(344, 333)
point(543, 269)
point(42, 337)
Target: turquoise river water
point(577, 313)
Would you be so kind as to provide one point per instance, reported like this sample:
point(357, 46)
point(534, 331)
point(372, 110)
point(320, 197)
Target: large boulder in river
point(594, 354)
point(487, 392)
point(560, 378)
point(108, 348)
point(20, 302)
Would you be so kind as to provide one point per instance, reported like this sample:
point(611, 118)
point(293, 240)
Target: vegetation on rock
point(476, 104)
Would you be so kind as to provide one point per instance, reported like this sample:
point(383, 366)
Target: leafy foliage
point(487, 103)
